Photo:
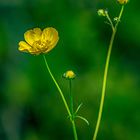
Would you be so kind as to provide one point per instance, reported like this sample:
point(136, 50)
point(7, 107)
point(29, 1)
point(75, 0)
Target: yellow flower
point(122, 1)
point(37, 41)
point(69, 74)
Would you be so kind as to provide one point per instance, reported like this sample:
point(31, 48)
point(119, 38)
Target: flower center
point(41, 45)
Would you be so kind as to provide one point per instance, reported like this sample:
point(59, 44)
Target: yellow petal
point(24, 47)
point(51, 46)
point(54, 39)
point(48, 34)
point(32, 35)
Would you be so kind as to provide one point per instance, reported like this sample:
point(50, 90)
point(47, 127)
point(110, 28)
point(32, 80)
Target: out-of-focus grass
point(30, 106)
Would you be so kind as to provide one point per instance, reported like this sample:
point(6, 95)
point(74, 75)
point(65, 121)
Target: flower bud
point(69, 74)
point(122, 1)
point(116, 19)
point(102, 12)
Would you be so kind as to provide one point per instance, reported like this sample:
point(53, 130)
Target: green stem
point(63, 98)
point(74, 130)
point(110, 21)
point(71, 96)
point(119, 18)
point(59, 89)
point(105, 76)
point(72, 112)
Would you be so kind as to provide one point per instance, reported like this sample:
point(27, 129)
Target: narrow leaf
point(84, 119)
point(78, 108)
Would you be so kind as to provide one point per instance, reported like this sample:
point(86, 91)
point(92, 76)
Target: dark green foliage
point(30, 106)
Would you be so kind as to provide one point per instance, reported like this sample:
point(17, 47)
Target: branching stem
point(63, 98)
point(106, 72)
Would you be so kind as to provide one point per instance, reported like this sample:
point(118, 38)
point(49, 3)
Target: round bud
point(122, 1)
point(69, 74)
point(102, 12)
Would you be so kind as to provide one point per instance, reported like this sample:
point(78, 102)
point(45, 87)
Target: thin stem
point(105, 76)
point(63, 98)
point(110, 21)
point(71, 96)
point(72, 112)
point(74, 130)
point(59, 89)
point(119, 18)
point(104, 87)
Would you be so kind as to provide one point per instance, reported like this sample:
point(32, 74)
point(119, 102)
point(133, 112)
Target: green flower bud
point(116, 19)
point(102, 12)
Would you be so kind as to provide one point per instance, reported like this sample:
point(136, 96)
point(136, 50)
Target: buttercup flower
point(69, 74)
point(37, 41)
point(122, 1)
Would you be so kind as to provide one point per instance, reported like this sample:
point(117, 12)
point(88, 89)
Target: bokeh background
point(30, 105)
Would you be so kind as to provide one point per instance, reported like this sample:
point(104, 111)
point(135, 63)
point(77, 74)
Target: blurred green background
point(30, 105)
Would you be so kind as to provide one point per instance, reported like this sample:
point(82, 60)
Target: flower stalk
point(70, 113)
point(72, 110)
point(114, 30)
point(71, 98)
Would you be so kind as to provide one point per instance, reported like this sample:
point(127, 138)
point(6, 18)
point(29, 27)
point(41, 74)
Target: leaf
point(84, 119)
point(78, 108)
point(106, 22)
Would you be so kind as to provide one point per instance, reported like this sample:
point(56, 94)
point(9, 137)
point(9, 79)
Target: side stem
point(105, 76)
